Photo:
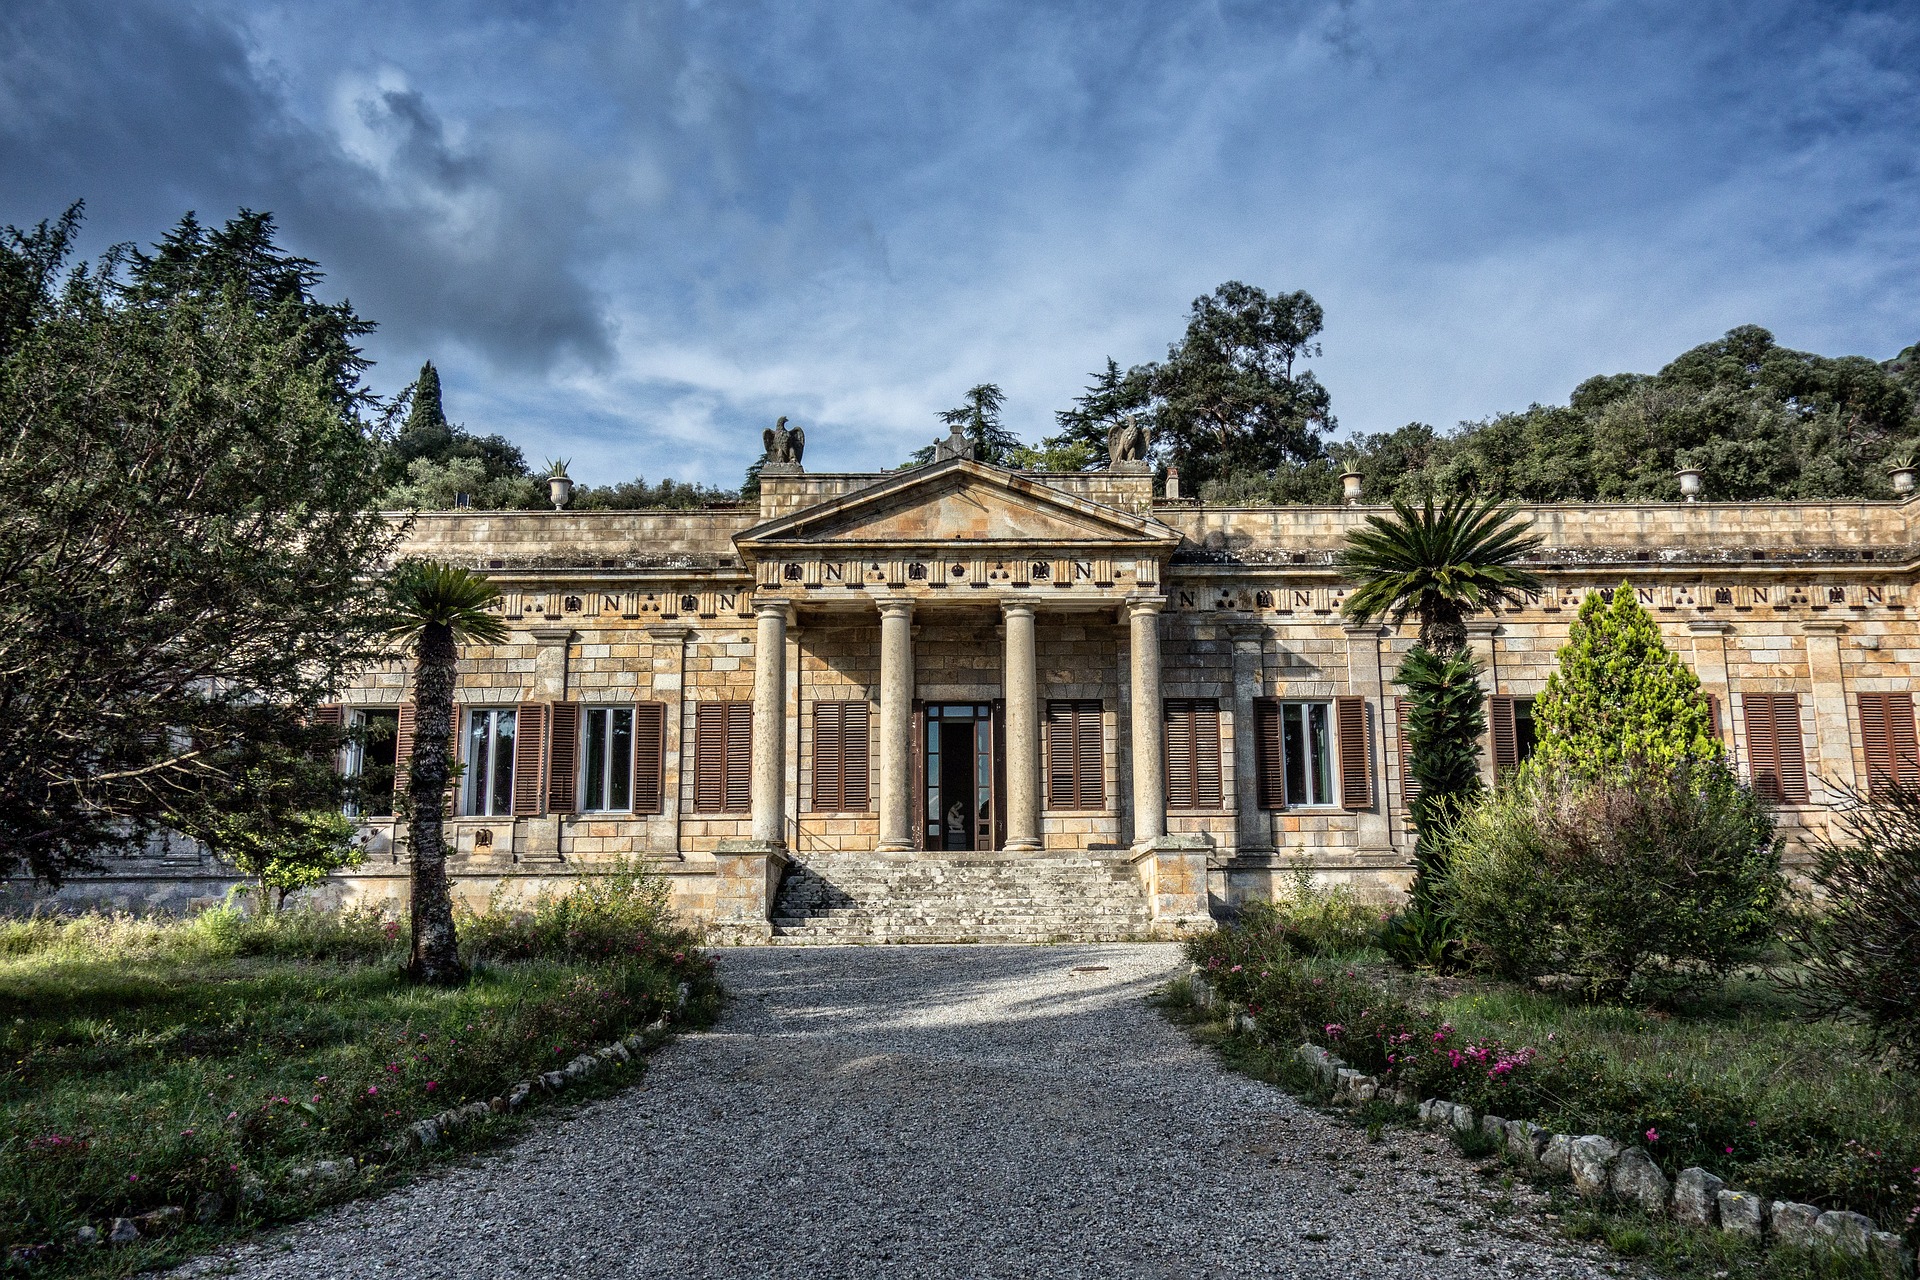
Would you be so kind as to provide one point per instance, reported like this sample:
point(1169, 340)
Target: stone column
point(896, 725)
point(1149, 752)
point(1252, 825)
point(1832, 726)
point(1022, 682)
point(768, 794)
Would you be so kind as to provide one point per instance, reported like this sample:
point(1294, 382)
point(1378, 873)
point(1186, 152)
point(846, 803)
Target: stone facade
point(1006, 597)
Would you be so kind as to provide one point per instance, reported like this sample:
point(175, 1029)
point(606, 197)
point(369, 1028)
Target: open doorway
point(959, 776)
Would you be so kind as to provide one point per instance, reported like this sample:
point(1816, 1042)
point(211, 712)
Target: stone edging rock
point(417, 1136)
point(1601, 1168)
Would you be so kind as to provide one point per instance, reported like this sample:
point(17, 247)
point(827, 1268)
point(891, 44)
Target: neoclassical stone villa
point(955, 701)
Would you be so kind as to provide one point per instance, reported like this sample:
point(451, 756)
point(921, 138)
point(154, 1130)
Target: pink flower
point(1729, 1150)
point(1653, 1135)
point(133, 1177)
point(432, 1085)
point(372, 1089)
point(1235, 969)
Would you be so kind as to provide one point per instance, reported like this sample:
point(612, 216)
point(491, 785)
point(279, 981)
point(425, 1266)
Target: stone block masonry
point(1147, 671)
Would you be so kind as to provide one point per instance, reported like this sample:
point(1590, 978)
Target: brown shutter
point(710, 757)
point(1076, 771)
point(1177, 731)
point(1905, 742)
point(1270, 766)
point(1350, 731)
point(402, 746)
point(1506, 738)
point(649, 756)
point(1776, 753)
point(529, 746)
point(829, 760)
point(1060, 755)
point(1713, 716)
point(920, 774)
point(1408, 787)
point(739, 757)
point(1193, 753)
point(855, 748)
point(1089, 731)
point(997, 716)
point(330, 715)
point(563, 759)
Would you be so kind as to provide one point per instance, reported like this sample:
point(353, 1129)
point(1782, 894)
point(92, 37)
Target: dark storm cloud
point(148, 109)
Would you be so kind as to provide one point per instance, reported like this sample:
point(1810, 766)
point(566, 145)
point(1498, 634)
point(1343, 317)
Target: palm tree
point(1442, 564)
point(435, 608)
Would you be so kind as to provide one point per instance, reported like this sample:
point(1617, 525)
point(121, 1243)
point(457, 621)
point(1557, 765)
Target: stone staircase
point(959, 897)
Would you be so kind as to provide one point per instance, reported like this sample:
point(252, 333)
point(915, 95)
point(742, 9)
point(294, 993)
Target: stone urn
point(1350, 488)
point(1690, 483)
point(1902, 472)
point(559, 486)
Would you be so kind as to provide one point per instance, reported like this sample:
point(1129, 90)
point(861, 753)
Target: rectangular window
point(1076, 773)
point(1193, 753)
point(723, 757)
point(370, 761)
point(607, 782)
point(840, 741)
point(1776, 754)
point(1294, 751)
point(489, 760)
point(1887, 733)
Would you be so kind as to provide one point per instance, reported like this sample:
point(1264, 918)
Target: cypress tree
point(1619, 695)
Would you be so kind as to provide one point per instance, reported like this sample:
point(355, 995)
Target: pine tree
point(1619, 694)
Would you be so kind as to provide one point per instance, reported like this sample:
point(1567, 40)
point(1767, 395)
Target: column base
point(895, 846)
point(1023, 846)
point(748, 878)
point(1173, 870)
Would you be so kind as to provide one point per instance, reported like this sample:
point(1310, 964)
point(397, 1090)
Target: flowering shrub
point(1810, 1154)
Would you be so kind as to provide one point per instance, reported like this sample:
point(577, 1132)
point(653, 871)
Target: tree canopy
point(188, 533)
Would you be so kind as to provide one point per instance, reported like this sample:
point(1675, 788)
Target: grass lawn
point(208, 1064)
point(1743, 1082)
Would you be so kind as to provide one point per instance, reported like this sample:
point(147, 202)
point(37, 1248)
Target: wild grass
point(201, 1063)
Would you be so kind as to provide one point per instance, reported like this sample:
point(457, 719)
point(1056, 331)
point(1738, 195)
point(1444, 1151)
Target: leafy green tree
point(435, 609)
point(441, 485)
point(1618, 694)
point(432, 459)
point(978, 417)
point(188, 533)
point(1442, 564)
point(1446, 714)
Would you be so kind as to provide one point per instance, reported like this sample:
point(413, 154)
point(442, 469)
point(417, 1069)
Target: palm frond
point(424, 593)
point(1460, 554)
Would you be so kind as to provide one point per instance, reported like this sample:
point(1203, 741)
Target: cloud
point(634, 234)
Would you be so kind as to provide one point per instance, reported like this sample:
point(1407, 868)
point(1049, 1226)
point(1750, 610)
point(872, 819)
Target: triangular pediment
point(959, 502)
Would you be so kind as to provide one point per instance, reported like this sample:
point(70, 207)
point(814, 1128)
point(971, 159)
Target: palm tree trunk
point(435, 956)
point(1443, 629)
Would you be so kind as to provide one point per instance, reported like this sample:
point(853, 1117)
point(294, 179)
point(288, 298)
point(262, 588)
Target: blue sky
point(633, 233)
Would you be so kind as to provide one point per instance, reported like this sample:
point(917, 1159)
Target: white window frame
point(1326, 774)
point(604, 713)
point(353, 755)
point(480, 790)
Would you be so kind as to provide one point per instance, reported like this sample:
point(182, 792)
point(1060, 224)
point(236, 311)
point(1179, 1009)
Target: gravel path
point(939, 1111)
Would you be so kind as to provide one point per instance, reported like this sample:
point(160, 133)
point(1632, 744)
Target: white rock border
point(1601, 1168)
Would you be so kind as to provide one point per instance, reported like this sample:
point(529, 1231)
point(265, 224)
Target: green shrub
point(1446, 714)
point(625, 912)
point(1858, 944)
point(1314, 920)
point(1647, 881)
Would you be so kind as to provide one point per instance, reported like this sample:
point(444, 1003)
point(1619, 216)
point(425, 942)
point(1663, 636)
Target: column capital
point(895, 606)
point(552, 635)
point(1144, 604)
point(1824, 627)
point(1355, 630)
point(1017, 608)
point(1247, 632)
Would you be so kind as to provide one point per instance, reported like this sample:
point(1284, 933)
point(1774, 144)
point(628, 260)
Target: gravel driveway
point(938, 1111)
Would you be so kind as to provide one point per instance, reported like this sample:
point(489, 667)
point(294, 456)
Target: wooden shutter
point(1350, 732)
point(855, 747)
point(529, 748)
point(1776, 754)
point(649, 757)
point(1506, 743)
point(1713, 717)
point(739, 757)
point(563, 759)
point(710, 757)
point(1887, 733)
point(402, 746)
point(1192, 737)
point(1076, 772)
point(1270, 766)
point(1409, 788)
point(840, 752)
point(330, 715)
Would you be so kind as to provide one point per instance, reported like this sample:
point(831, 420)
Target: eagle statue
point(1127, 441)
point(784, 446)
